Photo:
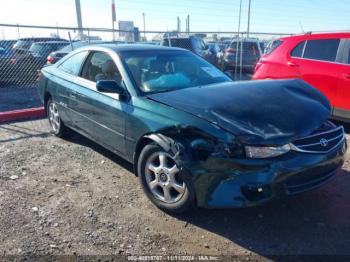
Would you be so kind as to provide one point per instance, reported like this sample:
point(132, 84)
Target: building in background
point(126, 26)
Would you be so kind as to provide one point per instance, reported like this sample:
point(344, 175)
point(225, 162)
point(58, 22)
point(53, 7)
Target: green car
point(195, 137)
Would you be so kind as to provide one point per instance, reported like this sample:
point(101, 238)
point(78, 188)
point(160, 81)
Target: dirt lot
point(74, 197)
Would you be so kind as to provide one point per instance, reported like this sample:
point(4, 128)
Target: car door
point(100, 115)
point(63, 85)
point(342, 104)
point(318, 65)
point(291, 67)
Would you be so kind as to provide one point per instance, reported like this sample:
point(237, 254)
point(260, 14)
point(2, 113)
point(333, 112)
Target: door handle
point(346, 76)
point(292, 64)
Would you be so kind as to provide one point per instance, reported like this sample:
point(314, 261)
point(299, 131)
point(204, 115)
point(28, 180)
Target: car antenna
point(70, 41)
point(301, 26)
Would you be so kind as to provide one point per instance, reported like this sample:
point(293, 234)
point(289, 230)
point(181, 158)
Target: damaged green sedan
point(195, 137)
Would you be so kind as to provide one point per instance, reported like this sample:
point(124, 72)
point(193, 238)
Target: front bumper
point(227, 183)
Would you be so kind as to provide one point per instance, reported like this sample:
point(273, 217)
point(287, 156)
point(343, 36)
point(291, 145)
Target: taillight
point(50, 60)
point(39, 75)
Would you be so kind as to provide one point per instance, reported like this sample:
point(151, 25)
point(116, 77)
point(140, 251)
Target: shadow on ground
point(76, 138)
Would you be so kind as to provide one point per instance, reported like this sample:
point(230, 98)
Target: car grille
point(322, 142)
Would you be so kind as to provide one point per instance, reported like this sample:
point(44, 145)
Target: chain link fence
point(24, 50)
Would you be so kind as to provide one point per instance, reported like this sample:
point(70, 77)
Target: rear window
point(248, 47)
point(179, 42)
point(272, 46)
point(298, 50)
point(324, 49)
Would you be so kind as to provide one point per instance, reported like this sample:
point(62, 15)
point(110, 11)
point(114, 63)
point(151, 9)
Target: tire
point(57, 126)
point(163, 183)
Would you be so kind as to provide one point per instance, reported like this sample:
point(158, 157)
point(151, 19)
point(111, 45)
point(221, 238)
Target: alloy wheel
point(163, 178)
point(54, 117)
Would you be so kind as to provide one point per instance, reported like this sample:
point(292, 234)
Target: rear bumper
point(245, 63)
point(223, 183)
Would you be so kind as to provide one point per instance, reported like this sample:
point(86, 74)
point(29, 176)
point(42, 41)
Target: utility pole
point(79, 19)
point(248, 29)
point(57, 32)
point(239, 17)
point(188, 23)
point(178, 25)
point(237, 38)
point(114, 18)
point(144, 26)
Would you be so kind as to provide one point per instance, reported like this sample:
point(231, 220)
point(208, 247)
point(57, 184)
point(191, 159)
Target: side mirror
point(111, 87)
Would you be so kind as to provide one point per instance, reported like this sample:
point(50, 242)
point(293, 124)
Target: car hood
point(270, 112)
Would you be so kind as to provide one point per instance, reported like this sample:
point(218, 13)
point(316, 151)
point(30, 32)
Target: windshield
point(40, 48)
point(160, 71)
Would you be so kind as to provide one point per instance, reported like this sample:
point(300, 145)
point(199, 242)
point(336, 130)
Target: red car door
point(318, 67)
point(291, 67)
point(342, 105)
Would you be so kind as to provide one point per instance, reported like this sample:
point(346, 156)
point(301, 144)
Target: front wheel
point(57, 126)
point(163, 182)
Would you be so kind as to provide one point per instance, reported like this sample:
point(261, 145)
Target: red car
point(322, 60)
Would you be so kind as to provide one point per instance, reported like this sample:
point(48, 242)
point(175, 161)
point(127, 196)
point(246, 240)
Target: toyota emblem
point(324, 142)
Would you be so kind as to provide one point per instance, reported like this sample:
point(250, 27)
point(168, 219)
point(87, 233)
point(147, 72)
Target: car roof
point(52, 42)
point(134, 47)
point(311, 35)
point(181, 37)
point(245, 40)
point(38, 38)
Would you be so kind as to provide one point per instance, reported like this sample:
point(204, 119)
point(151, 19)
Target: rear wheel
point(162, 180)
point(57, 126)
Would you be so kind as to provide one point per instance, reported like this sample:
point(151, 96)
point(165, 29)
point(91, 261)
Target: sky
point(288, 16)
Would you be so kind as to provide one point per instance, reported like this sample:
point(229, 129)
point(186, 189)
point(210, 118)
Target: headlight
point(266, 151)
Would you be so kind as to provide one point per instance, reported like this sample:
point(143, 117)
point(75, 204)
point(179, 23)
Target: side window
point(100, 66)
point(349, 58)
point(325, 49)
point(298, 50)
point(73, 64)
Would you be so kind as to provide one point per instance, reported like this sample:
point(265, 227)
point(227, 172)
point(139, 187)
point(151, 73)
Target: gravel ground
point(64, 197)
